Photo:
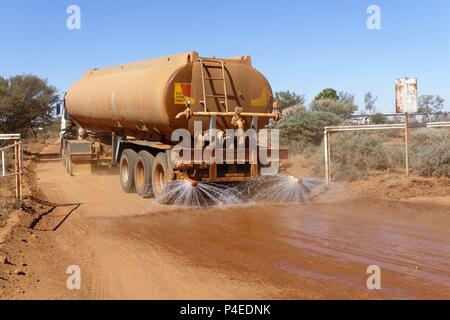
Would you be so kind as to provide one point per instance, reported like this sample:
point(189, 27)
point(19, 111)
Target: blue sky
point(299, 45)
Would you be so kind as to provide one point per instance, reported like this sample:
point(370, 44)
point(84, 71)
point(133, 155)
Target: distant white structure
point(406, 95)
point(360, 121)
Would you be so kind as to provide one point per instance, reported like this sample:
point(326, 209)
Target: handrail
point(14, 136)
point(18, 160)
point(10, 146)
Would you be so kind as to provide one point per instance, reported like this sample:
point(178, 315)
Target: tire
point(126, 166)
point(143, 170)
point(161, 174)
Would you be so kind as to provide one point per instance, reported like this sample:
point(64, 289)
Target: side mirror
point(58, 110)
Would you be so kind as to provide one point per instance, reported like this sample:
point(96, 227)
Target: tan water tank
point(145, 97)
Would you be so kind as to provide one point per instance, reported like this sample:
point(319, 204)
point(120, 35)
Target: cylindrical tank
point(145, 97)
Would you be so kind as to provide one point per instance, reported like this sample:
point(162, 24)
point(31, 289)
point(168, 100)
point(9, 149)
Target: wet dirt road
point(137, 249)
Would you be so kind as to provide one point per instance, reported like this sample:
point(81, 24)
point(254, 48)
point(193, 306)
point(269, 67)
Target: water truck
point(128, 115)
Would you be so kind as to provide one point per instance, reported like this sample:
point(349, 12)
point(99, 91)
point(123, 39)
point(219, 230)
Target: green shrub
point(341, 108)
point(425, 136)
point(379, 118)
point(396, 156)
point(430, 152)
point(353, 155)
point(434, 161)
point(306, 128)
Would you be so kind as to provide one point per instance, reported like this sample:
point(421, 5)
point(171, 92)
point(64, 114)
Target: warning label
point(183, 92)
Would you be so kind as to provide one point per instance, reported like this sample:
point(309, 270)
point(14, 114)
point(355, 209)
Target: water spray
point(191, 182)
point(286, 189)
point(191, 193)
point(278, 189)
point(296, 180)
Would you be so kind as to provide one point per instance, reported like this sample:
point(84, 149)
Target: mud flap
point(79, 158)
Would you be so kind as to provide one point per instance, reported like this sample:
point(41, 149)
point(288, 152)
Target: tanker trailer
point(128, 115)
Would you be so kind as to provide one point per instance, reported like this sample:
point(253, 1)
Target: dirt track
point(132, 248)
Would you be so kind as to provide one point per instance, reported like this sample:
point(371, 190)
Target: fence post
point(18, 161)
point(327, 159)
point(406, 145)
point(20, 158)
point(329, 155)
point(16, 168)
point(3, 164)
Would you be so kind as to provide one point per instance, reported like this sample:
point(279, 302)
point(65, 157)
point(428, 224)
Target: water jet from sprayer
point(197, 194)
point(287, 189)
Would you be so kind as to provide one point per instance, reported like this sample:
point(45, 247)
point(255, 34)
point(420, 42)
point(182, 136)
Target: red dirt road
point(128, 248)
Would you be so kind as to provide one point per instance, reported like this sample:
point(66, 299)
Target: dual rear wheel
point(143, 173)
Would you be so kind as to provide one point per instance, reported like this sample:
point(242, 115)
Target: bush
point(291, 111)
point(341, 108)
point(430, 152)
point(434, 161)
point(353, 155)
point(426, 136)
point(306, 128)
point(396, 156)
point(378, 118)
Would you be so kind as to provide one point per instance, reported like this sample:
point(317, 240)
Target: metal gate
point(12, 143)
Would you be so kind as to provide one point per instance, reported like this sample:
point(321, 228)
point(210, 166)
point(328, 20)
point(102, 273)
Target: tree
point(343, 109)
point(307, 128)
point(430, 104)
point(327, 94)
point(26, 103)
point(288, 99)
point(346, 97)
point(329, 101)
point(369, 103)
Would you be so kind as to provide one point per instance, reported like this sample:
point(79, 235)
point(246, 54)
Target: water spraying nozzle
point(191, 182)
point(297, 180)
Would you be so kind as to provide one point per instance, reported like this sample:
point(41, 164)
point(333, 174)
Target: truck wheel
point(161, 174)
point(127, 163)
point(143, 174)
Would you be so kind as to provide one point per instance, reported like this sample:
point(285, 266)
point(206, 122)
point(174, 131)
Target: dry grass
point(355, 155)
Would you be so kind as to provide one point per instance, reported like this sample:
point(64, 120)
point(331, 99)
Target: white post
point(329, 155)
point(16, 171)
point(406, 145)
point(3, 164)
point(327, 168)
point(20, 152)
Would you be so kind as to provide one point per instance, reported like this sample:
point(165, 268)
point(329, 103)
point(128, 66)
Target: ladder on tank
point(206, 64)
